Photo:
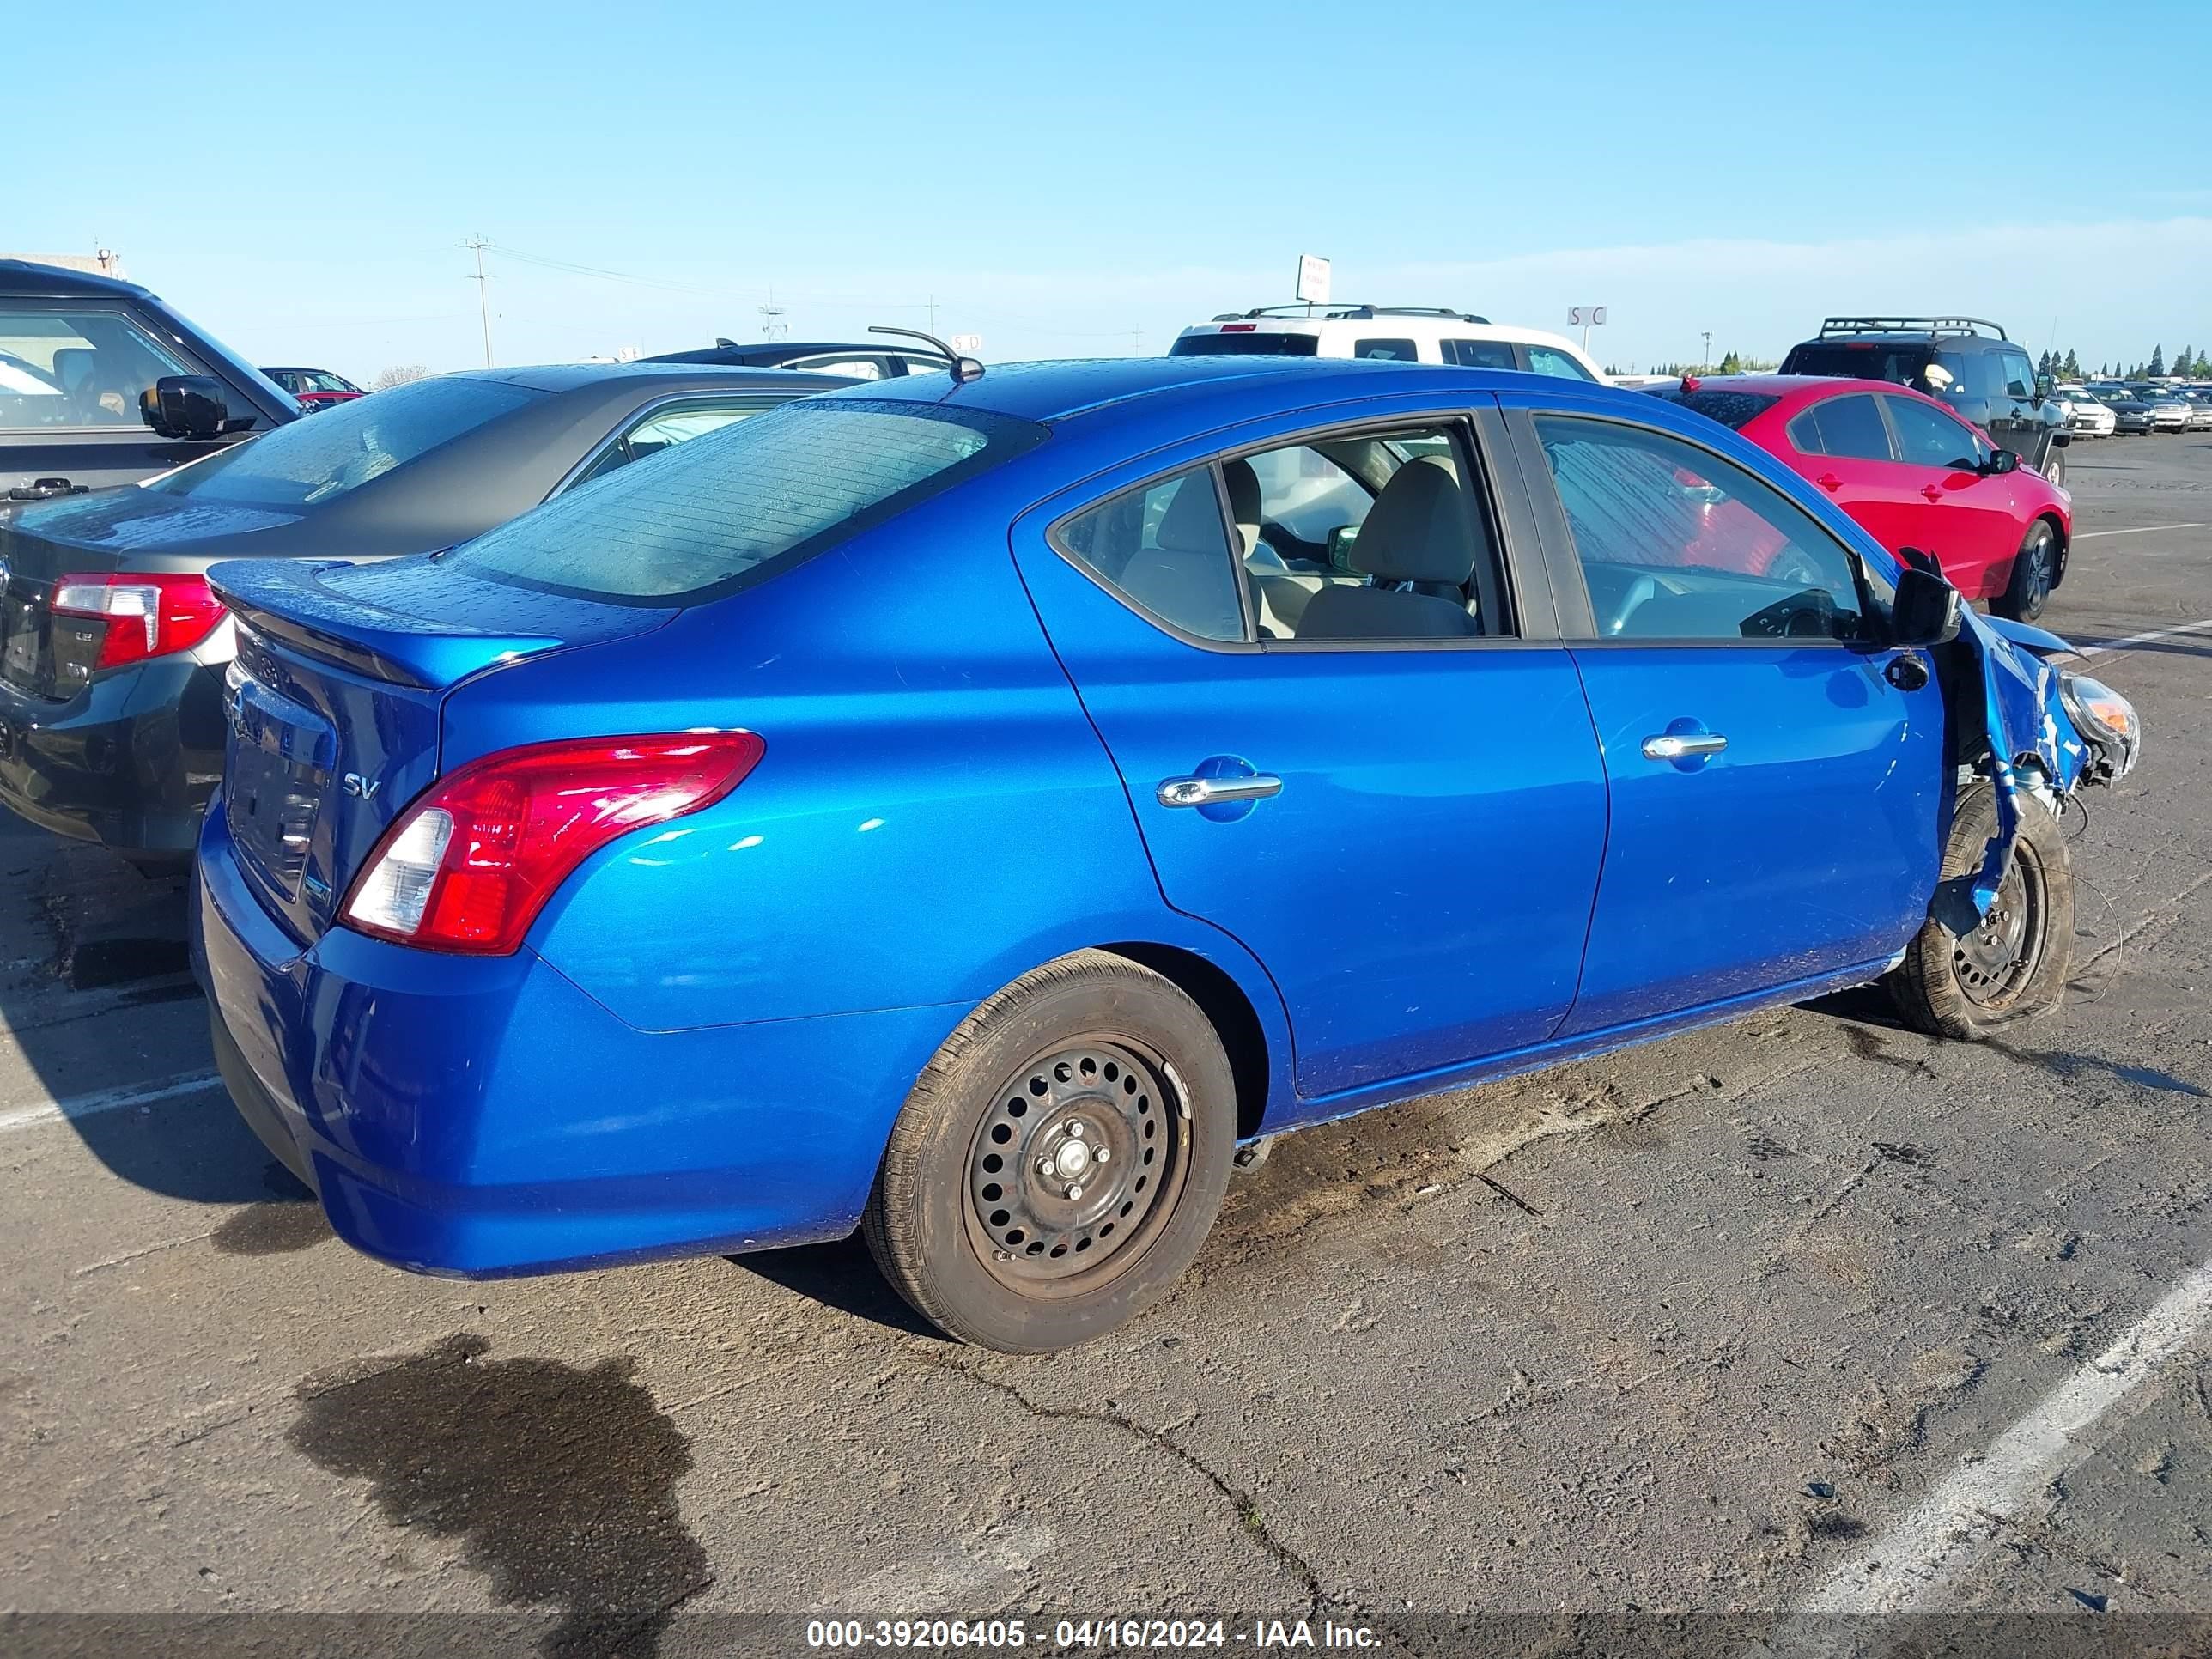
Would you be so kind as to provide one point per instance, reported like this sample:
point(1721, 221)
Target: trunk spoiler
point(386, 621)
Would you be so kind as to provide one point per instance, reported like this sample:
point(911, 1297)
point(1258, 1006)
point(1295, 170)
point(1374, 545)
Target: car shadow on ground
point(104, 1020)
point(842, 1275)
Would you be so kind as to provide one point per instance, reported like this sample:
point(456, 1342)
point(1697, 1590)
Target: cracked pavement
point(1691, 1326)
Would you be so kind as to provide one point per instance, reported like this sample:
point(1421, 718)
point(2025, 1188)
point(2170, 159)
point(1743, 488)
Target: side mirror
point(2004, 461)
point(185, 406)
point(2043, 385)
point(1340, 542)
point(1927, 610)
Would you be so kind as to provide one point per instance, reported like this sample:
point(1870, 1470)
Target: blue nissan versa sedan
point(967, 808)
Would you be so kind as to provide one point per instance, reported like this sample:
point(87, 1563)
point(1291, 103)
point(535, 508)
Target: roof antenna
point(964, 369)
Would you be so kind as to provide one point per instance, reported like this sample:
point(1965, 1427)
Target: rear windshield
point(1730, 409)
point(695, 519)
point(1245, 345)
point(342, 447)
point(1899, 363)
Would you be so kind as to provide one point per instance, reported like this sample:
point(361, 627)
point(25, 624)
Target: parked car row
point(663, 809)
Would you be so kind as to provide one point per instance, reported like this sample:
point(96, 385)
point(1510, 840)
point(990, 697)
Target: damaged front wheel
point(1970, 977)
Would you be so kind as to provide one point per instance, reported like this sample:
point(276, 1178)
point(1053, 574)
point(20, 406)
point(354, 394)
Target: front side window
point(784, 485)
point(1850, 428)
point(70, 367)
point(1549, 360)
point(346, 445)
point(1930, 437)
point(1401, 351)
point(2019, 374)
point(1677, 544)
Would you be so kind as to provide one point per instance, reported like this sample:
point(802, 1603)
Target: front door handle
point(1829, 482)
point(1213, 792)
point(1932, 492)
point(1681, 745)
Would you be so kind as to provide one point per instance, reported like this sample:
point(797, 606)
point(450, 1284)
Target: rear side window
point(1548, 360)
point(1403, 351)
point(1255, 344)
point(1165, 549)
point(715, 509)
point(1480, 354)
point(346, 445)
point(1848, 429)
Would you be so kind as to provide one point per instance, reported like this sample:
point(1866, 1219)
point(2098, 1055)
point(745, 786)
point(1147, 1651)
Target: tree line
point(2188, 363)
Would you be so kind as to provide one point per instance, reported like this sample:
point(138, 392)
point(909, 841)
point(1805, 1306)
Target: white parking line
point(106, 1100)
point(2144, 530)
point(2185, 630)
point(1901, 1570)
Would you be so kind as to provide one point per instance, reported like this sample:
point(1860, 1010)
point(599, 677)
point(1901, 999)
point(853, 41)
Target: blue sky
point(1065, 180)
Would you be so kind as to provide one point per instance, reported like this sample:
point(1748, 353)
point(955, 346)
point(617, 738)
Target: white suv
point(1409, 333)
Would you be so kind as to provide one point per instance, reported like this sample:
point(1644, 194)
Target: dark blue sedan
point(970, 811)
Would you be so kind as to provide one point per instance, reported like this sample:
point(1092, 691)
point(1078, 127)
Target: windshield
point(1730, 409)
point(1245, 345)
point(697, 519)
point(346, 445)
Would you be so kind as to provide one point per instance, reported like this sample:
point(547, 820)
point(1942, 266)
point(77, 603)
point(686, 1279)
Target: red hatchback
point(1912, 473)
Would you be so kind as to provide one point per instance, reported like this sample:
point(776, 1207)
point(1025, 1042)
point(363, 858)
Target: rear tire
point(2013, 965)
point(2034, 572)
point(1059, 1163)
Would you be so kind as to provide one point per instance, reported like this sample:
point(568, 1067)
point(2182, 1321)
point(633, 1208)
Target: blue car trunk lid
point(334, 702)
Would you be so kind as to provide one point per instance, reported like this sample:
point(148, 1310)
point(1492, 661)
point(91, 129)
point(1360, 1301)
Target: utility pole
point(931, 300)
point(771, 316)
point(1707, 361)
point(476, 244)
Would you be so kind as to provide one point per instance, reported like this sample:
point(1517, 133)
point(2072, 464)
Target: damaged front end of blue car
point(2049, 729)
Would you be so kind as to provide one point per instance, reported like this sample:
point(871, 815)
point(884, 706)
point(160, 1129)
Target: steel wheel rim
point(1993, 964)
point(1042, 1137)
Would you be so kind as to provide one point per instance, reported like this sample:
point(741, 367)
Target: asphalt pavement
point(1795, 1320)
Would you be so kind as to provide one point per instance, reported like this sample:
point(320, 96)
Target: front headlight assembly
point(2108, 723)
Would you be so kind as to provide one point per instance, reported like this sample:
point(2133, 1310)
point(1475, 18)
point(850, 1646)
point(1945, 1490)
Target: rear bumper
point(129, 762)
point(478, 1118)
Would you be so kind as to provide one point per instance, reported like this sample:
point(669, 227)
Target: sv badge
point(359, 788)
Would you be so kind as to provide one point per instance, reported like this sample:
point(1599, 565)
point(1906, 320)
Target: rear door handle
point(1213, 792)
point(1931, 492)
point(1681, 746)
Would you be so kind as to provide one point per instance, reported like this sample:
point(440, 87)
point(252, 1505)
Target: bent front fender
point(2023, 727)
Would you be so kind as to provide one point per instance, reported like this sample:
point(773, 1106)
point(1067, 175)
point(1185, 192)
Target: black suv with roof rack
point(101, 383)
point(1967, 363)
